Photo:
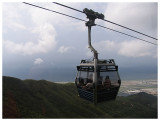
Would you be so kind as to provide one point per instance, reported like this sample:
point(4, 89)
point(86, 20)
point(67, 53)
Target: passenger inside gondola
point(81, 82)
point(89, 85)
point(107, 82)
point(89, 82)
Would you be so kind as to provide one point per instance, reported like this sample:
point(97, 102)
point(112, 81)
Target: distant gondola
point(97, 80)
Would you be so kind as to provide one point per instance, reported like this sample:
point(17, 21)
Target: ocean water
point(137, 86)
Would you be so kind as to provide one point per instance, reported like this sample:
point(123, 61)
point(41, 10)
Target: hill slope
point(44, 99)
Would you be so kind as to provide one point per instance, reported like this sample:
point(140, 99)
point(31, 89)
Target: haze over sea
point(69, 74)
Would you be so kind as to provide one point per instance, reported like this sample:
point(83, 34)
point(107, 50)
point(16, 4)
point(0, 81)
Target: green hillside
point(44, 99)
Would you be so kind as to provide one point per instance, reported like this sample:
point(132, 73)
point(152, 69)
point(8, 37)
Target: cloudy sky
point(39, 44)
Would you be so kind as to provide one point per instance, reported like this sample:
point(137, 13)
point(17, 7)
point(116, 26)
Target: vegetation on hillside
point(44, 99)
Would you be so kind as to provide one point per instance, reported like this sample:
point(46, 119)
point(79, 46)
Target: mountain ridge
point(43, 99)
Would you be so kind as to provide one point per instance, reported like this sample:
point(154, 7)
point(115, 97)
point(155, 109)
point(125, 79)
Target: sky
point(38, 44)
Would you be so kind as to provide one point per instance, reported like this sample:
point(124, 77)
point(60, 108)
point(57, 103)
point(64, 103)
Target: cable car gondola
point(97, 80)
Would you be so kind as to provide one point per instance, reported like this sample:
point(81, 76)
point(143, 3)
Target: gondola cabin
point(106, 84)
point(97, 80)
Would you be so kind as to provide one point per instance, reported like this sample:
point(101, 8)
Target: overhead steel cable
point(86, 21)
point(68, 7)
point(126, 34)
point(53, 11)
point(108, 21)
point(129, 29)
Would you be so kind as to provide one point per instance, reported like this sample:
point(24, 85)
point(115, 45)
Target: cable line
point(54, 11)
point(108, 21)
point(86, 21)
point(126, 34)
point(68, 7)
point(129, 29)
